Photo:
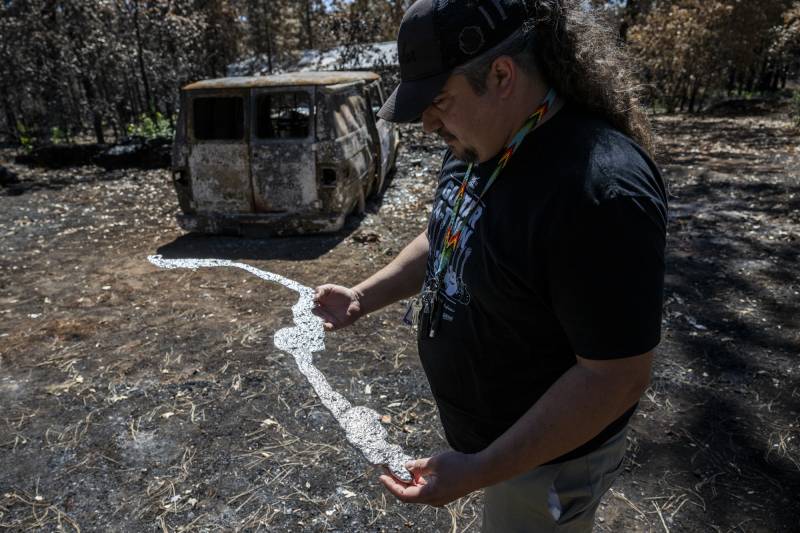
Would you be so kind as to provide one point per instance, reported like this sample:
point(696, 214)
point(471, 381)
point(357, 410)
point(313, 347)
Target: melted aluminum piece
point(361, 424)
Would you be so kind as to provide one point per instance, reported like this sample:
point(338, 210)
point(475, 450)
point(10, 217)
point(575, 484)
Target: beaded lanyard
point(452, 235)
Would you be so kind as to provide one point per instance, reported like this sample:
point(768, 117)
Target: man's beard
point(466, 153)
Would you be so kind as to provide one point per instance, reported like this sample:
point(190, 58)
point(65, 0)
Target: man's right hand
point(337, 306)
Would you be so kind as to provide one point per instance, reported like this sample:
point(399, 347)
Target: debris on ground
point(135, 398)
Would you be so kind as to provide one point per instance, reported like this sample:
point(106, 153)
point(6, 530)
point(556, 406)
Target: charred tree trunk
point(308, 21)
point(137, 103)
point(73, 104)
point(140, 58)
point(672, 97)
point(703, 97)
point(776, 78)
point(97, 120)
point(632, 10)
point(693, 96)
point(169, 110)
point(11, 119)
point(269, 43)
point(123, 116)
point(750, 81)
point(731, 87)
point(108, 111)
point(764, 75)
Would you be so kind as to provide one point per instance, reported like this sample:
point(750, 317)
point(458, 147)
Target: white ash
point(361, 424)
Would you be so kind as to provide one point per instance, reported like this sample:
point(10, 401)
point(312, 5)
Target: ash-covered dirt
point(137, 399)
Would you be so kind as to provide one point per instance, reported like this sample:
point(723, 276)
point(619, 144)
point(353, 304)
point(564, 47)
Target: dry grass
point(784, 442)
point(15, 420)
point(20, 510)
point(670, 497)
point(163, 495)
point(165, 393)
point(70, 437)
point(464, 513)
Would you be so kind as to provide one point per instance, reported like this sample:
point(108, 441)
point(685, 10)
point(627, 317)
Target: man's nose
point(430, 120)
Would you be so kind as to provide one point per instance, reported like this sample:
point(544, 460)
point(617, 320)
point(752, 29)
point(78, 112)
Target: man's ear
point(503, 75)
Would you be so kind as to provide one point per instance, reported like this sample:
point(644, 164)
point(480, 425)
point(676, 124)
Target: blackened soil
point(136, 399)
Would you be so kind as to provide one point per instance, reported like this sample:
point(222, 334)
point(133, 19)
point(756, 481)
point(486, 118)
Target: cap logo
point(471, 40)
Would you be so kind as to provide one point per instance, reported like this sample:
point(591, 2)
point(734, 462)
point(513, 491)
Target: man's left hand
point(437, 480)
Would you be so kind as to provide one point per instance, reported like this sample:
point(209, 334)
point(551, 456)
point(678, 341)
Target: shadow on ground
point(235, 248)
point(730, 356)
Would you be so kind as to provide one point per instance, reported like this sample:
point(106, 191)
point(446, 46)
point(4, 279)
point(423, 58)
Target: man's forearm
point(577, 407)
point(399, 279)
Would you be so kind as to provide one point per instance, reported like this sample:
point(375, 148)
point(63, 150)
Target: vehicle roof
point(283, 80)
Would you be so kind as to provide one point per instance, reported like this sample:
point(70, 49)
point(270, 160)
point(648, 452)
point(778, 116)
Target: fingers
point(408, 493)
point(418, 468)
point(418, 464)
point(336, 306)
point(329, 322)
point(321, 292)
point(417, 491)
point(437, 480)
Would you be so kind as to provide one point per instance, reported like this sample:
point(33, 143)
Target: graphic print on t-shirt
point(454, 291)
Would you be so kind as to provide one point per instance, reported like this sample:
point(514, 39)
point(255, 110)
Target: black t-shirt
point(564, 255)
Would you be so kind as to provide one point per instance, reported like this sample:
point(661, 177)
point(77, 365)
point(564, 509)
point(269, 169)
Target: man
point(542, 265)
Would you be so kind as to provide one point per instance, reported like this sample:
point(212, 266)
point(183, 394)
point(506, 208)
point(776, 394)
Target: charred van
point(281, 154)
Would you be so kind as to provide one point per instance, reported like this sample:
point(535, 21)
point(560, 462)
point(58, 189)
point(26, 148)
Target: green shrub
point(57, 135)
point(26, 139)
point(150, 127)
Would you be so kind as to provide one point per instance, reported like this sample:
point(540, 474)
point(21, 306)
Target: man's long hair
point(579, 55)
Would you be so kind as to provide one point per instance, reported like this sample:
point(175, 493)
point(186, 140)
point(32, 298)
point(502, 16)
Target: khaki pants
point(559, 498)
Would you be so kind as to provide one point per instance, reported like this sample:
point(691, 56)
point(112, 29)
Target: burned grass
point(138, 399)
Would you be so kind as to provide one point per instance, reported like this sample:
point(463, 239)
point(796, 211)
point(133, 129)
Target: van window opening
point(283, 115)
point(218, 118)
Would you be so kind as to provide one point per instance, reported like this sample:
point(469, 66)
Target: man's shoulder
point(598, 162)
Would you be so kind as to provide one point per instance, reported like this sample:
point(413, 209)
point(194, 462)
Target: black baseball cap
point(437, 36)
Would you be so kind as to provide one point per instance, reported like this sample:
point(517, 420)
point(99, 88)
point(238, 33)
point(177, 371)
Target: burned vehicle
point(281, 154)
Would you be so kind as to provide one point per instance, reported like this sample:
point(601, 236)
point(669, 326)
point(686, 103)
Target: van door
point(218, 158)
point(284, 177)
